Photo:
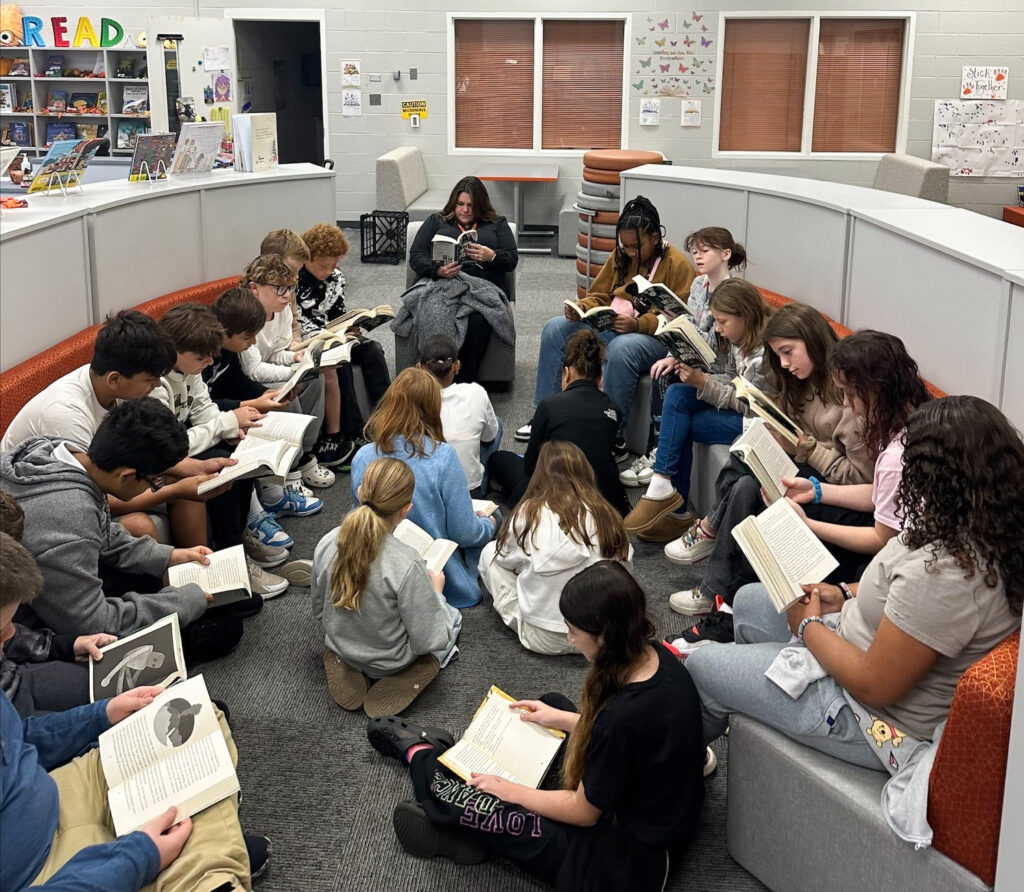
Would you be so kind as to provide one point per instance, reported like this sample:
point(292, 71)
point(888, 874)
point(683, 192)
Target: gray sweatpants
point(310, 402)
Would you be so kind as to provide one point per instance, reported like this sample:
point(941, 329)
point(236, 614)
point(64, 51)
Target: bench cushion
point(401, 178)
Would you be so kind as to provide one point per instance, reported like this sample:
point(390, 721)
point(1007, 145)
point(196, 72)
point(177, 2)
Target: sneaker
point(523, 433)
point(265, 584)
point(258, 848)
point(420, 837)
point(268, 531)
point(694, 545)
point(619, 451)
point(691, 602)
point(258, 553)
point(295, 503)
point(316, 475)
point(640, 472)
point(710, 762)
point(298, 572)
point(716, 628)
point(334, 451)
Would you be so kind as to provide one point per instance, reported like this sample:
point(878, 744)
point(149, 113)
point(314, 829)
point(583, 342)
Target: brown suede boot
point(649, 511)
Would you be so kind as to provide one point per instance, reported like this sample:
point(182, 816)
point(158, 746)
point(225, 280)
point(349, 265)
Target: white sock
point(255, 508)
point(659, 488)
point(270, 493)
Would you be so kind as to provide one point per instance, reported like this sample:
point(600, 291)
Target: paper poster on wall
point(351, 70)
point(650, 112)
point(351, 103)
point(983, 139)
point(983, 83)
point(690, 116)
point(221, 87)
point(216, 58)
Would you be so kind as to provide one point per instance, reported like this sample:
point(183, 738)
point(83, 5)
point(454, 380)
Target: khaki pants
point(214, 854)
point(501, 584)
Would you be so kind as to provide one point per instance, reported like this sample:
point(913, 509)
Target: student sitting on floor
point(389, 630)
point(63, 492)
point(292, 250)
point(41, 672)
point(320, 296)
point(467, 416)
point(56, 827)
point(407, 425)
point(562, 525)
point(631, 784)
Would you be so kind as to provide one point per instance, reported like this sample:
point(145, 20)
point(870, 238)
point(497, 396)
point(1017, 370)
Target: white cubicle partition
point(65, 262)
point(1012, 401)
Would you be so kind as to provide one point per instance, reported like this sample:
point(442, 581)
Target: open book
point(662, 297)
point(764, 407)
point(150, 656)
point(499, 742)
point(226, 577)
point(453, 250)
point(366, 318)
point(767, 460)
point(485, 506)
point(434, 551)
point(172, 752)
point(685, 342)
point(601, 317)
point(783, 552)
point(267, 451)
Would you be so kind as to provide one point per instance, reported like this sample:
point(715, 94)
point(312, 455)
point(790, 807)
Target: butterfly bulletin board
point(673, 55)
point(981, 139)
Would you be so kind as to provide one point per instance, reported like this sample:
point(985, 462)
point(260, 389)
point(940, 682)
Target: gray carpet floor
point(310, 780)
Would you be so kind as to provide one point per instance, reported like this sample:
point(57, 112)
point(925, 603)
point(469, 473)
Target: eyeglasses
point(279, 290)
point(156, 481)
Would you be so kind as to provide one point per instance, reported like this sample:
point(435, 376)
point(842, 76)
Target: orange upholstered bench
point(22, 382)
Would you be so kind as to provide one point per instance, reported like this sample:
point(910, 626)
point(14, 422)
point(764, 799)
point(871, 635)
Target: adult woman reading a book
point(631, 780)
point(387, 628)
point(853, 519)
point(702, 408)
point(641, 249)
point(407, 425)
point(490, 254)
point(933, 600)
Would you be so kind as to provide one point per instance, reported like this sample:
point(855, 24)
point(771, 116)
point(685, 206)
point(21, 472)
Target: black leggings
point(229, 511)
point(508, 471)
point(369, 356)
point(471, 354)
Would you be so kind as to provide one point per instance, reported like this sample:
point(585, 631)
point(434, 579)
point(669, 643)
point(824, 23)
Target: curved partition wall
point(949, 282)
point(65, 262)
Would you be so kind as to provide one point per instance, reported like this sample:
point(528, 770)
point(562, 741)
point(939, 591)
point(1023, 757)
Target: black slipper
point(424, 839)
point(392, 736)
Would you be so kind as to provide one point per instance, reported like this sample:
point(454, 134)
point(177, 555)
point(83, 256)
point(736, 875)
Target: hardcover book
point(152, 149)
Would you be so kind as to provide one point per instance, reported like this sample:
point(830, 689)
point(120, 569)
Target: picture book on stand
point(151, 149)
point(198, 145)
point(255, 137)
point(64, 158)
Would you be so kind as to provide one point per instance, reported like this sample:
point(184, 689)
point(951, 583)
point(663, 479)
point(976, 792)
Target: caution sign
point(414, 107)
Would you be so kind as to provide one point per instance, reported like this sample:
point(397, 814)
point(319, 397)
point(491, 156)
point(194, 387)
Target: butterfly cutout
point(697, 18)
point(687, 25)
point(660, 42)
point(665, 68)
point(698, 63)
point(674, 43)
point(707, 89)
point(640, 41)
point(704, 28)
point(682, 68)
point(645, 63)
point(639, 85)
point(704, 42)
point(687, 41)
point(663, 25)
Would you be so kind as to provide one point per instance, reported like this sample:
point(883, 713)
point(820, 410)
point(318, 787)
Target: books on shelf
point(783, 552)
point(172, 752)
point(135, 99)
point(57, 100)
point(8, 101)
point(255, 141)
point(151, 656)
point(600, 317)
point(198, 145)
point(435, 552)
point(59, 130)
point(767, 460)
point(685, 342)
point(92, 130)
point(446, 249)
point(226, 577)
point(125, 66)
point(499, 742)
point(267, 450)
point(84, 104)
point(18, 133)
point(764, 407)
point(65, 157)
point(19, 68)
point(128, 133)
point(151, 149)
point(54, 66)
point(660, 296)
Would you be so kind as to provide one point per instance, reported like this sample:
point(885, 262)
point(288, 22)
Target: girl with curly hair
point(934, 600)
point(631, 780)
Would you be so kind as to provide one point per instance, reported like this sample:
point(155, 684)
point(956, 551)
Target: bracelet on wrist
point(816, 483)
point(847, 591)
point(803, 625)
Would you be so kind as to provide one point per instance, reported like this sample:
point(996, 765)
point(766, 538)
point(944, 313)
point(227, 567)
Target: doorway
point(280, 69)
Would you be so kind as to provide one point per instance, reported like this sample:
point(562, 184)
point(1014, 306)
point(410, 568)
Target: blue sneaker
point(268, 531)
point(295, 503)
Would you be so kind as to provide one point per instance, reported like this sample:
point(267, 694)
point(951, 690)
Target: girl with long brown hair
point(632, 778)
point(387, 629)
point(407, 425)
point(561, 526)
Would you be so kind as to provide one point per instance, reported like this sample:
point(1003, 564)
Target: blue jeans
point(686, 419)
point(730, 678)
point(486, 451)
point(629, 356)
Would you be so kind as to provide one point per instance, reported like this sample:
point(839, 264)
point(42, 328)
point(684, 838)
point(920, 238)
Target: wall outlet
point(374, 78)
point(414, 121)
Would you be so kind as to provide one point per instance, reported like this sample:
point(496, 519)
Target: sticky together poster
point(17, 29)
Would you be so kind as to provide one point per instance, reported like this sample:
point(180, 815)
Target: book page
point(287, 426)
point(415, 536)
point(438, 553)
point(763, 406)
point(303, 366)
point(336, 355)
point(752, 544)
point(799, 552)
point(485, 507)
point(225, 572)
point(151, 656)
point(770, 456)
point(682, 326)
point(248, 468)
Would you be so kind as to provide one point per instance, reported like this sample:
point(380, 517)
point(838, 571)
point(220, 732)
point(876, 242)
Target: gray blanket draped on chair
point(441, 307)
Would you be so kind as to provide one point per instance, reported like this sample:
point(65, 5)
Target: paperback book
point(365, 319)
point(57, 100)
point(85, 104)
point(59, 130)
point(7, 100)
point(762, 406)
point(226, 577)
point(684, 342)
point(446, 249)
point(255, 141)
point(435, 552)
point(601, 317)
point(151, 656)
point(767, 460)
point(17, 133)
point(197, 147)
point(63, 162)
point(663, 298)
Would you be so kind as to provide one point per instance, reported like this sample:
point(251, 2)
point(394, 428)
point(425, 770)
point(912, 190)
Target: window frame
point(810, 83)
point(538, 20)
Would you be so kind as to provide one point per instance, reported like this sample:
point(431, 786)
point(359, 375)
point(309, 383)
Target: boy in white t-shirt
point(467, 416)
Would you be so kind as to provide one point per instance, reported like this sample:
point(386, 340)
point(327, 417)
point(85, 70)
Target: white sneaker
point(298, 572)
point(710, 762)
point(641, 471)
point(265, 584)
point(523, 433)
point(260, 552)
point(693, 546)
point(690, 602)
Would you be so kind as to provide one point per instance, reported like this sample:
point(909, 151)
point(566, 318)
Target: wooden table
point(517, 174)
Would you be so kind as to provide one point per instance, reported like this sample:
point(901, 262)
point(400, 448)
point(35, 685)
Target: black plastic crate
point(382, 236)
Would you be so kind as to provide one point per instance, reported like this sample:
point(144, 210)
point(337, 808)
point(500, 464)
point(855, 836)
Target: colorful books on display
point(128, 133)
point(7, 98)
point(135, 100)
point(17, 133)
point(58, 130)
point(255, 141)
point(198, 145)
point(57, 100)
point(65, 157)
point(151, 149)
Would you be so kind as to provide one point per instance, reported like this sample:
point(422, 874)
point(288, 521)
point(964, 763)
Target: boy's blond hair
point(268, 269)
point(325, 240)
point(285, 244)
